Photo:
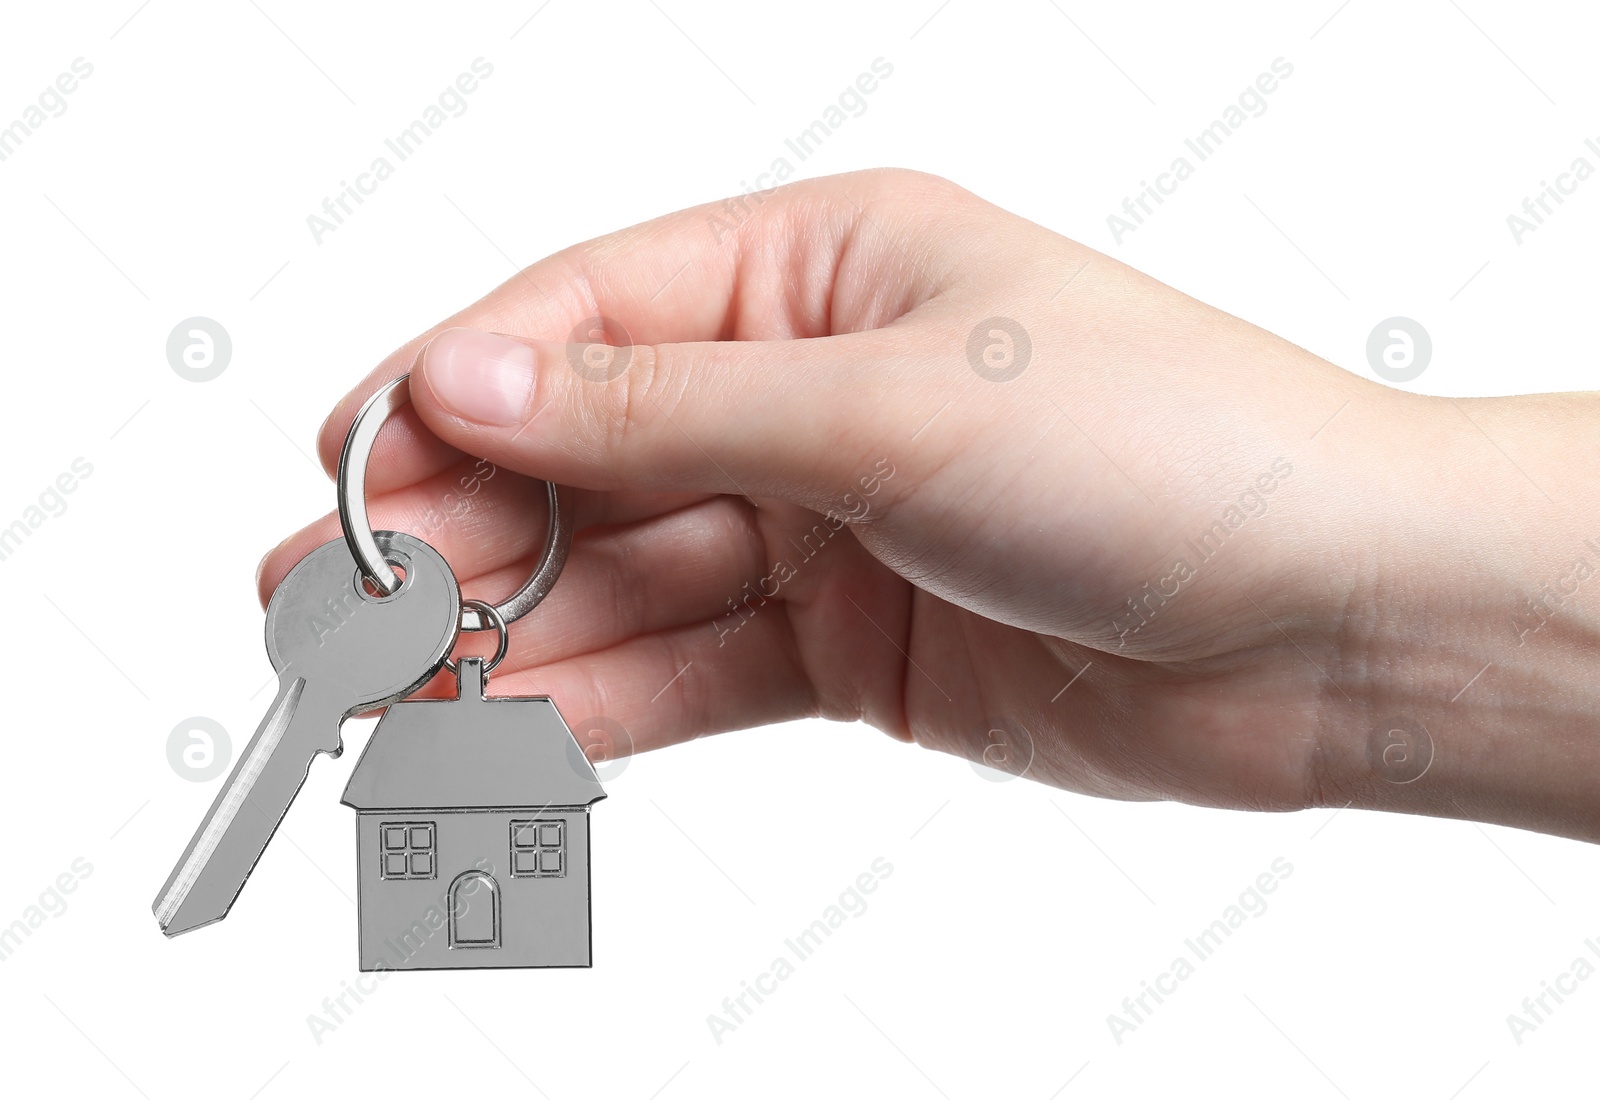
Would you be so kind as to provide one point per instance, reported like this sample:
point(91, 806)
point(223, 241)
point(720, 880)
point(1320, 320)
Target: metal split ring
point(501, 645)
point(358, 530)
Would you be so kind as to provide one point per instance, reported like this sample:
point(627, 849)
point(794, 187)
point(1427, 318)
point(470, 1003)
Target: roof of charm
point(472, 752)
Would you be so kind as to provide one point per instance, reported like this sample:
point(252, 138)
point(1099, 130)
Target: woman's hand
point(877, 449)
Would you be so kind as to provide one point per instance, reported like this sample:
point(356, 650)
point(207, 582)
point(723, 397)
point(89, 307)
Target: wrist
point(1480, 694)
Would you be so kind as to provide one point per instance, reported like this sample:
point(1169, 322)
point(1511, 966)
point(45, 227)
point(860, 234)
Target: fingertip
point(275, 565)
point(481, 393)
point(480, 379)
point(289, 553)
point(331, 436)
point(261, 570)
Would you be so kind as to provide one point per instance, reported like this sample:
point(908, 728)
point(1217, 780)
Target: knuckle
point(898, 183)
point(627, 410)
point(624, 587)
point(681, 694)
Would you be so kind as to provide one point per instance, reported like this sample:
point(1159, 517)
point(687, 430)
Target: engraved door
point(474, 910)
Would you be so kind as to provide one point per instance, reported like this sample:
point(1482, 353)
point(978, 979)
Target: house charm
point(472, 833)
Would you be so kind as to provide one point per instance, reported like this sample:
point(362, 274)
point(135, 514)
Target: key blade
point(247, 811)
point(338, 649)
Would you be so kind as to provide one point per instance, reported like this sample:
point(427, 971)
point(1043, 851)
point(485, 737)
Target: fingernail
point(480, 376)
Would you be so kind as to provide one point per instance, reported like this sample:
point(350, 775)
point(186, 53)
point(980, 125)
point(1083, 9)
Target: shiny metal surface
point(502, 644)
point(352, 478)
point(473, 826)
point(338, 651)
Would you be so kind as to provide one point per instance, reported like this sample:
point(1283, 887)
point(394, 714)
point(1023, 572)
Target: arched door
point(474, 910)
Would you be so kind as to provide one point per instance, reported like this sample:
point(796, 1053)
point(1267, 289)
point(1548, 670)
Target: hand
point(879, 450)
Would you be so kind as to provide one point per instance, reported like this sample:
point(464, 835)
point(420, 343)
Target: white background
point(1017, 917)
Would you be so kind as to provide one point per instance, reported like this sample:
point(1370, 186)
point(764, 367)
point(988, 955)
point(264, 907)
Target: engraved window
point(406, 849)
point(539, 849)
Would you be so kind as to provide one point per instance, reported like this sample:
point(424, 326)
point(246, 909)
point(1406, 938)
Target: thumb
point(790, 419)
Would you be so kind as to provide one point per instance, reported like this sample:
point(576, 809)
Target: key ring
point(358, 530)
point(502, 643)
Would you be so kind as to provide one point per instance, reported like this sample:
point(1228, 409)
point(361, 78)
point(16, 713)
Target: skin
point(807, 351)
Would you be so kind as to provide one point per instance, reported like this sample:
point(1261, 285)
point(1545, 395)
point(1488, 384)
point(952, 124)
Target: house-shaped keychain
point(472, 826)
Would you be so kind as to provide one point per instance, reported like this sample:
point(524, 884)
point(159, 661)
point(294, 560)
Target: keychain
point(472, 813)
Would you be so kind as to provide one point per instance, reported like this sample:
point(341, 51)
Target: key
point(338, 650)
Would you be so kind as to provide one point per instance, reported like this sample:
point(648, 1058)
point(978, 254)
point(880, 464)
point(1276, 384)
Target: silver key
point(338, 651)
